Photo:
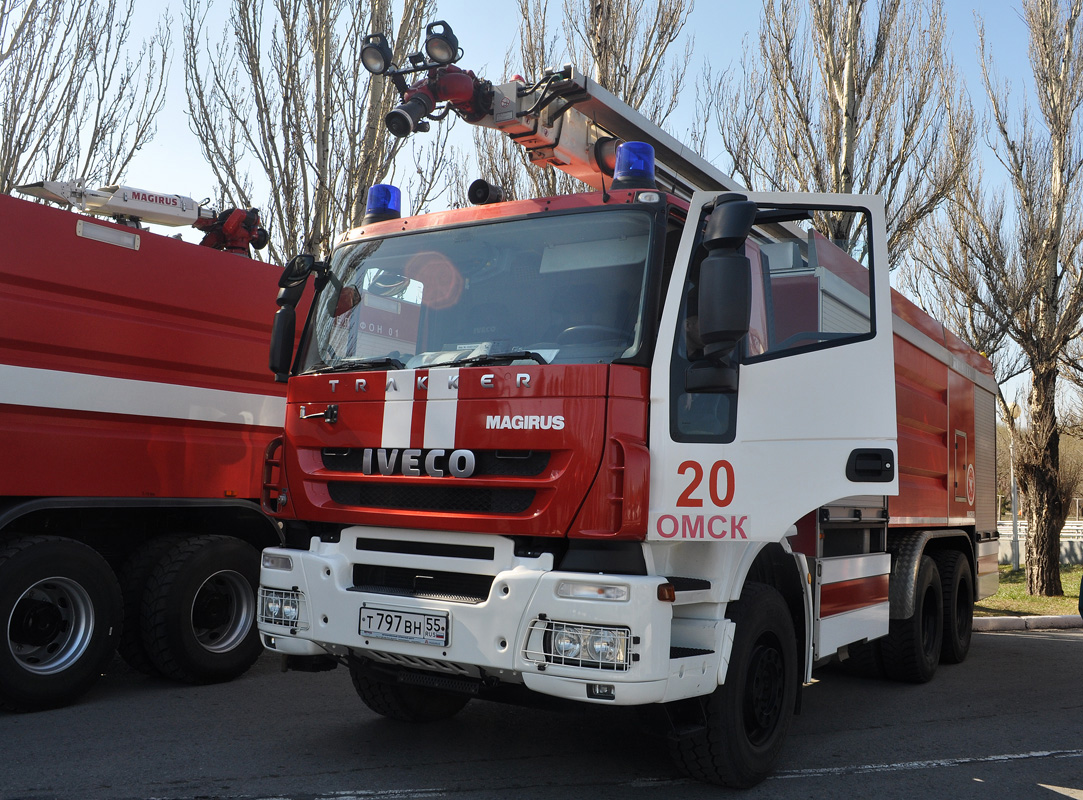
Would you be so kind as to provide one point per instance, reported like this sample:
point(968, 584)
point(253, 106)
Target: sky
point(172, 163)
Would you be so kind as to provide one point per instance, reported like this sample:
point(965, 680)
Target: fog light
point(601, 691)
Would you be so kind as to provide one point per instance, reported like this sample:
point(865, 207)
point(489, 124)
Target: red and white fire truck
point(135, 409)
point(664, 443)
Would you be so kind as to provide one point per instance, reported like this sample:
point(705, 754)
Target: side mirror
point(296, 271)
point(725, 295)
point(283, 331)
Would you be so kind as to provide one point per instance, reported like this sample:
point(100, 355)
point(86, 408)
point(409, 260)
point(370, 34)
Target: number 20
point(686, 500)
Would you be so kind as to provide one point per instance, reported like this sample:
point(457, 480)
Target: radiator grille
point(497, 463)
point(462, 499)
point(455, 587)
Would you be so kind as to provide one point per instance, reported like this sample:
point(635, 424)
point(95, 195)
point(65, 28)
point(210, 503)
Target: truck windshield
point(563, 288)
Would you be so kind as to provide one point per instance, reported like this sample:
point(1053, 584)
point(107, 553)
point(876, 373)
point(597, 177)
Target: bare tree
point(290, 115)
point(622, 44)
point(1014, 263)
point(74, 102)
point(849, 96)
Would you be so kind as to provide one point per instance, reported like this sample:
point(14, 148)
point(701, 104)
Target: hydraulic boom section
point(565, 119)
point(233, 230)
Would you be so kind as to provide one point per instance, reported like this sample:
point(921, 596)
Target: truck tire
point(134, 575)
point(61, 610)
point(865, 660)
point(958, 587)
point(406, 703)
point(911, 650)
point(747, 717)
point(199, 610)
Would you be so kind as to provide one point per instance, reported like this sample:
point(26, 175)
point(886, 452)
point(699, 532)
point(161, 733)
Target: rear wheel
point(958, 585)
point(134, 576)
point(199, 610)
point(911, 650)
point(403, 702)
point(61, 611)
point(747, 717)
point(864, 660)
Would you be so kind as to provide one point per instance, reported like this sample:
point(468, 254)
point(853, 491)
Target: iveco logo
point(434, 463)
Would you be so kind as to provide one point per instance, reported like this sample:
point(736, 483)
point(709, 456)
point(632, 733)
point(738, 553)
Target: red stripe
point(421, 398)
point(836, 598)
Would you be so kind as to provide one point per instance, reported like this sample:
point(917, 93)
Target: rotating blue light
point(635, 166)
point(384, 202)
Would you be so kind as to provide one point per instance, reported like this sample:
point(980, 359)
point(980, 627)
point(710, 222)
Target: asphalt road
point(1007, 723)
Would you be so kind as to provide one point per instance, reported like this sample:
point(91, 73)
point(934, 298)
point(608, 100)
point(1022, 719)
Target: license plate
point(404, 626)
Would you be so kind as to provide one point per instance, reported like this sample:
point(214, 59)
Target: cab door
point(809, 417)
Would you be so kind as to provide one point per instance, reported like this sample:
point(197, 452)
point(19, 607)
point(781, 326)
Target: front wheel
point(748, 716)
point(61, 610)
point(404, 702)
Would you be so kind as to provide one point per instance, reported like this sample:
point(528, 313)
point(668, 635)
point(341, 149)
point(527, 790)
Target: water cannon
point(461, 90)
point(563, 120)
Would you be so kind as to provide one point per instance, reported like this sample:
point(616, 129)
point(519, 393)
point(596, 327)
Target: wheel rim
point(223, 611)
point(764, 691)
point(51, 626)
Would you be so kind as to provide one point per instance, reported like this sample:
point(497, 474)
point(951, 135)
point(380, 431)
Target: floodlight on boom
point(441, 44)
point(376, 54)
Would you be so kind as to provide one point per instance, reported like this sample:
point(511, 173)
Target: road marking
point(1076, 794)
point(360, 794)
point(902, 766)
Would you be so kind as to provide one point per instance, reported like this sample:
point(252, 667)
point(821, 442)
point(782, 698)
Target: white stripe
point(398, 408)
point(850, 568)
point(902, 766)
point(74, 391)
point(442, 409)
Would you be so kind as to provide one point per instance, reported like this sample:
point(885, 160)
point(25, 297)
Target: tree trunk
point(1039, 471)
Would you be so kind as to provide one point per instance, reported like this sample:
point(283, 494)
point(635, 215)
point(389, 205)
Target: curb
point(1027, 623)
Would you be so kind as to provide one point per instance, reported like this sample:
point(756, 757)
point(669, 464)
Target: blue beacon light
point(384, 202)
point(635, 166)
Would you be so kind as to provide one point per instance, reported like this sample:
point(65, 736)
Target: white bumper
point(499, 636)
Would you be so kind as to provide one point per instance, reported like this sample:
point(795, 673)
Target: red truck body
point(135, 411)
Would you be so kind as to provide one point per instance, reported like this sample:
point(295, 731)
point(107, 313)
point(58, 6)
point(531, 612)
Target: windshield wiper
point(383, 362)
point(494, 358)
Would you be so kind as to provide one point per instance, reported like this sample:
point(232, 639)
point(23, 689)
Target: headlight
point(603, 645)
point(286, 608)
point(567, 644)
point(574, 645)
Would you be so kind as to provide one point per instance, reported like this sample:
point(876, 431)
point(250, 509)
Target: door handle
point(871, 465)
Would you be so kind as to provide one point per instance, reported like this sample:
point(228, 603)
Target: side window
point(808, 292)
point(816, 290)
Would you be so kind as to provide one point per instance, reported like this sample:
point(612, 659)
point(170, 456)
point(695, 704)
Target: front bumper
point(507, 635)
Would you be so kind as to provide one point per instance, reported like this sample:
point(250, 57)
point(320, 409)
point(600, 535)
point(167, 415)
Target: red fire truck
point(135, 409)
point(665, 443)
